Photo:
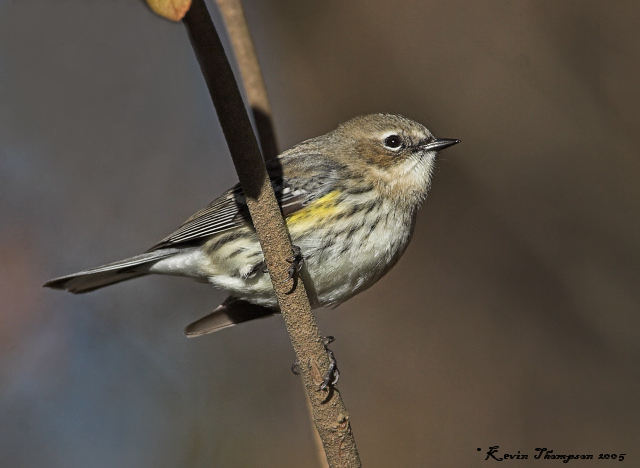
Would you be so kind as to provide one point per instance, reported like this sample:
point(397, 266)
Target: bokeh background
point(512, 320)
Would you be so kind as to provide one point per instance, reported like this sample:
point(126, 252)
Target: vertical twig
point(256, 91)
point(252, 78)
point(329, 413)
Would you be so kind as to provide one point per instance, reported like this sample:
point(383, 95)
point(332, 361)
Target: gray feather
point(295, 181)
point(299, 186)
point(94, 278)
point(231, 312)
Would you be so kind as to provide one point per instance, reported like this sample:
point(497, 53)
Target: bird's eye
point(393, 141)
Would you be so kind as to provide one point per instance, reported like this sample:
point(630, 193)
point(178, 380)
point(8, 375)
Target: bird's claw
point(296, 260)
point(333, 373)
point(294, 367)
point(327, 340)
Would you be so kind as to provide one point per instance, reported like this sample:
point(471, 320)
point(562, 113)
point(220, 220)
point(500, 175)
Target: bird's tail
point(95, 278)
point(231, 312)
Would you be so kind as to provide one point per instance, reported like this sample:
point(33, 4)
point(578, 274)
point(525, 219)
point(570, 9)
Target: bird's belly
point(341, 259)
point(353, 263)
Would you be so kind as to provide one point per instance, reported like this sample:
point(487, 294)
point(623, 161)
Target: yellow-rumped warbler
point(349, 197)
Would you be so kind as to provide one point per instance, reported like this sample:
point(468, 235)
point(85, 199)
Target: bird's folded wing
point(297, 181)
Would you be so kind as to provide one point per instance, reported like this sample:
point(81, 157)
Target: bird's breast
point(353, 251)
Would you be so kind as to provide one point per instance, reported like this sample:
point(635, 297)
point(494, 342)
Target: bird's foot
point(294, 367)
point(296, 260)
point(333, 374)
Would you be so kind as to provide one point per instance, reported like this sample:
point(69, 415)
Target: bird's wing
point(296, 181)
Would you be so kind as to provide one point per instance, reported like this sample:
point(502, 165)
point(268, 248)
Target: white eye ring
point(393, 142)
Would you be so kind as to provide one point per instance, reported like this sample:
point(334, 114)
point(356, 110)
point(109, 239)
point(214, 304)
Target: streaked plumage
point(349, 197)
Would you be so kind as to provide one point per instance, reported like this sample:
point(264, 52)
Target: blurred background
point(512, 320)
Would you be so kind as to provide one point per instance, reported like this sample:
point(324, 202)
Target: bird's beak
point(439, 144)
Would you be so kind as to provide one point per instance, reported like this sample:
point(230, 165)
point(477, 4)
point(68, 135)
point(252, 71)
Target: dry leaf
point(173, 10)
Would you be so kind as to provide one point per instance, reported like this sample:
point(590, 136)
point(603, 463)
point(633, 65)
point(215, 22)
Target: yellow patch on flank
point(324, 207)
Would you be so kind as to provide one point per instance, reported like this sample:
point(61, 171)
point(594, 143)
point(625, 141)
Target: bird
point(349, 198)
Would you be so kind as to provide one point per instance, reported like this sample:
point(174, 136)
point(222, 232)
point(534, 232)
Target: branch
point(329, 414)
point(247, 58)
